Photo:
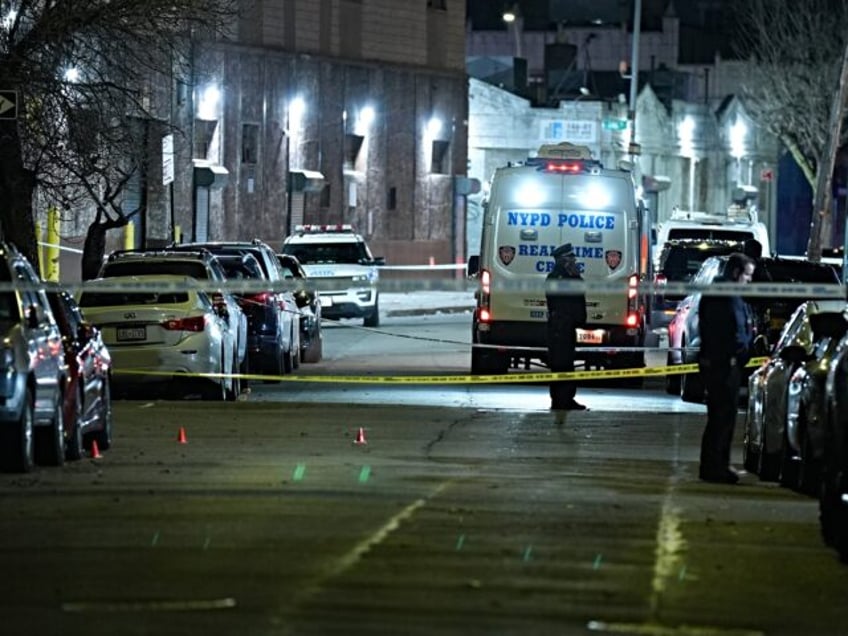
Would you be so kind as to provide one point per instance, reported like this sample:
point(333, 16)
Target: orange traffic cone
point(360, 436)
point(95, 452)
point(181, 436)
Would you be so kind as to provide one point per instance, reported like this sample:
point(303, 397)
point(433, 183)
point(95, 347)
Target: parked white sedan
point(159, 329)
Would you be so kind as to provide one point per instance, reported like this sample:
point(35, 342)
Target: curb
point(430, 311)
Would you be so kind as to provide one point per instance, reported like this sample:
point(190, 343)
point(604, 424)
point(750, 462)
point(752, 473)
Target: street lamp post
point(516, 22)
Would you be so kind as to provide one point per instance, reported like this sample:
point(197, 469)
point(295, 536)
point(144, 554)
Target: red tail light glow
point(632, 286)
point(195, 323)
point(486, 281)
point(564, 167)
point(484, 315)
point(262, 298)
point(660, 279)
point(632, 320)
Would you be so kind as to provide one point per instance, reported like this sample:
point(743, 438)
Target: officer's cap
point(563, 251)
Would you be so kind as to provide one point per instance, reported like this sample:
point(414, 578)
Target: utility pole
point(634, 75)
point(824, 177)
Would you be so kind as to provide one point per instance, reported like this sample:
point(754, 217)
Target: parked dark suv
point(33, 375)
point(273, 327)
point(678, 262)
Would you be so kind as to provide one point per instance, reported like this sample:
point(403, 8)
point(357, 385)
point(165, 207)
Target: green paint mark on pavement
point(364, 474)
point(299, 472)
point(155, 539)
point(459, 542)
point(527, 552)
point(597, 564)
point(682, 575)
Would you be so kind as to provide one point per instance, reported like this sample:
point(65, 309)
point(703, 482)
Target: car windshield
point(312, 253)
point(140, 267)
point(683, 262)
point(237, 267)
point(116, 298)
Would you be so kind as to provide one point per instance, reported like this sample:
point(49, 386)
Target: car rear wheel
point(750, 457)
point(809, 477)
point(235, 382)
point(16, 443)
point(672, 381)
point(314, 351)
point(769, 461)
point(50, 439)
point(74, 449)
point(104, 435)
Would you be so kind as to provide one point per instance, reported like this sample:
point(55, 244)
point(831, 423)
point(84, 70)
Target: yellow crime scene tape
point(514, 378)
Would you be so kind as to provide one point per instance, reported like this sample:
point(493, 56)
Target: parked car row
point(56, 381)
point(181, 315)
point(796, 427)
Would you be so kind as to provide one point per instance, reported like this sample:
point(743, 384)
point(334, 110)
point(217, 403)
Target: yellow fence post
point(178, 234)
point(129, 236)
point(39, 239)
point(52, 261)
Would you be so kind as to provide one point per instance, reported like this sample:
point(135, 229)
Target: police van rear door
point(544, 205)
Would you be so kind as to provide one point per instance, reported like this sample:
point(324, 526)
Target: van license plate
point(590, 336)
point(129, 334)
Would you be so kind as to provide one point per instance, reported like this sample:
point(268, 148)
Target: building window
point(325, 196)
point(204, 130)
point(391, 199)
point(440, 154)
point(249, 143)
point(353, 144)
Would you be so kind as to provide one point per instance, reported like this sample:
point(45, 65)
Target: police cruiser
point(560, 196)
point(336, 254)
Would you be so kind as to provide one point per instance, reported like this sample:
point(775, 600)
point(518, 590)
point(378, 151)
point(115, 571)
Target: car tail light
point(196, 323)
point(262, 298)
point(660, 280)
point(632, 319)
point(484, 313)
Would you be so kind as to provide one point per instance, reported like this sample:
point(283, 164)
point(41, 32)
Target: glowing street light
point(738, 132)
point(434, 127)
point(72, 74)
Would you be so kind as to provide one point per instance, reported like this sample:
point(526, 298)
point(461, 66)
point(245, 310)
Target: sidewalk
point(420, 303)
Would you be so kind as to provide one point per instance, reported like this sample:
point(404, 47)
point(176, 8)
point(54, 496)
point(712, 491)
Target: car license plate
point(590, 336)
point(326, 301)
point(128, 334)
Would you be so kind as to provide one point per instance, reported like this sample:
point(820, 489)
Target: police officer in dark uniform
point(566, 312)
point(727, 332)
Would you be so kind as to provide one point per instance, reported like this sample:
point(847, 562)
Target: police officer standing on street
point(727, 333)
point(566, 312)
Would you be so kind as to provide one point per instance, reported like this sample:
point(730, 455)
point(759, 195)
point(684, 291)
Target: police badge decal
point(613, 258)
point(506, 253)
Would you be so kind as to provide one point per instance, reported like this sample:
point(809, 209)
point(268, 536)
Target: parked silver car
point(33, 370)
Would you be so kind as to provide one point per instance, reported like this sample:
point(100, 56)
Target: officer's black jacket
point(569, 306)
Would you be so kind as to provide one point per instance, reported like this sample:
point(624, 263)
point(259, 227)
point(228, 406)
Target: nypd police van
point(337, 255)
point(560, 196)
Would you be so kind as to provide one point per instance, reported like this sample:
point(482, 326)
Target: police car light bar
point(323, 229)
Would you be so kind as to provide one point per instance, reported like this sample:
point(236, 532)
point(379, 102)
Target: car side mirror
point(301, 297)
point(794, 354)
point(379, 260)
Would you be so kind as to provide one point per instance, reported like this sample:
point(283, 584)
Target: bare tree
point(85, 73)
point(794, 62)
